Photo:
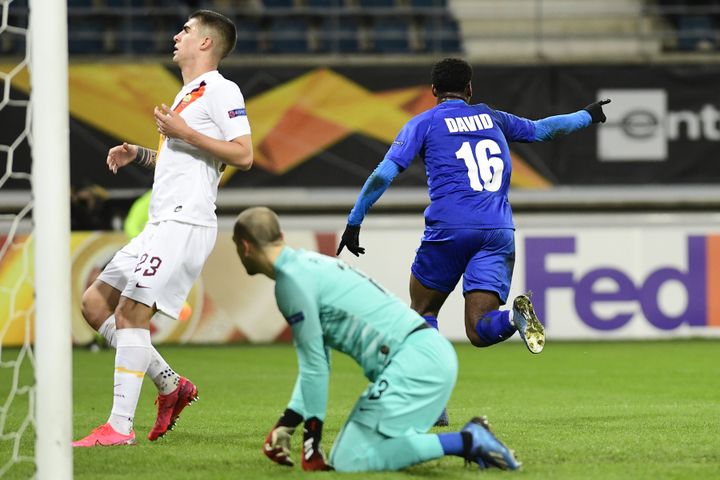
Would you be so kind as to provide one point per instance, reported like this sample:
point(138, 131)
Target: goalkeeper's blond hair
point(258, 225)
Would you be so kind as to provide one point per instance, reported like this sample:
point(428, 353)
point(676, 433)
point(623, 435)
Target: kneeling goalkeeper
point(412, 369)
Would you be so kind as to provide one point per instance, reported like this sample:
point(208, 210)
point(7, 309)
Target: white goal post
point(50, 148)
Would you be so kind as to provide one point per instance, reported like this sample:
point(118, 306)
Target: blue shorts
point(485, 258)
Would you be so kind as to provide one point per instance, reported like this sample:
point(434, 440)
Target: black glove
point(313, 458)
point(351, 240)
point(596, 112)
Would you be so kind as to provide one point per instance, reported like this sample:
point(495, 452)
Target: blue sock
point(431, 320)
point(495, 327)
point(452, 443)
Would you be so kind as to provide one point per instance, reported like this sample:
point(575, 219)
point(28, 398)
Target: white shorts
point(159, 266)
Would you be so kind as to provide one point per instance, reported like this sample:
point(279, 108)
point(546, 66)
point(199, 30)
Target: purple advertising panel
point(592, 276)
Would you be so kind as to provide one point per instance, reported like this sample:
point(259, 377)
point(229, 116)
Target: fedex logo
point(700, 279)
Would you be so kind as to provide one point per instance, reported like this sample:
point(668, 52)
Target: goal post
point(50, 147)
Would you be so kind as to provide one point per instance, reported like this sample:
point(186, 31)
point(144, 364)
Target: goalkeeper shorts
point(406, 399)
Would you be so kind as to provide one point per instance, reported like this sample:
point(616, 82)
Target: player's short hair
point(259, 225)
point(223, 28)
point(451, 75)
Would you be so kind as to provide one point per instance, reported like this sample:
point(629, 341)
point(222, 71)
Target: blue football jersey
point(467, 162)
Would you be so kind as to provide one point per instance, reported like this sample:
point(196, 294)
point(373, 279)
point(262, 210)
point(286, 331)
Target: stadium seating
point(441, 34)
point(85, 36)
point(555, 29)
point(132, 27)
point(338, 34)
point(377, 3)
point(391, 35)
point(288, 35)
point(428, 3)
point(248, 35)
point(278, 3)
point(323, 3)
point(146, 35)
point(696, 32)
point(118, 3)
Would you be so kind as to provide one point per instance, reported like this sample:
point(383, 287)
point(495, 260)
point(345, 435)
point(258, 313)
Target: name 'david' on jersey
point(473, 123)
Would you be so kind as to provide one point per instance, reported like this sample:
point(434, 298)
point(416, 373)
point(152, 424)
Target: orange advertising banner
point(224, 305)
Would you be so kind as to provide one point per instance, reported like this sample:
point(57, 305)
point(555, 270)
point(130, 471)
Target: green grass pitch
point(617, 410)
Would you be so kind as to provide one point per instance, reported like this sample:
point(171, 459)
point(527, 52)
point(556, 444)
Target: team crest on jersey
point(190, 97)
point(238, 112)
point(295, 318)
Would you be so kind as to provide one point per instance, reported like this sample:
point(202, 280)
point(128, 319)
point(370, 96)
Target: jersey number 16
point(484, 171)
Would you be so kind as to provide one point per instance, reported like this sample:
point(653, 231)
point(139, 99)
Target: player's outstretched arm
point(596, 111)
point(558, 125)
point(374, 187)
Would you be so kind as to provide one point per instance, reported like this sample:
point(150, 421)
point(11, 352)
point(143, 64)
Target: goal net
point(35, 348)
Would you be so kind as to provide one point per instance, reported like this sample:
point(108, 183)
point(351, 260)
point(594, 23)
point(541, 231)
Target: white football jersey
point(186, 177)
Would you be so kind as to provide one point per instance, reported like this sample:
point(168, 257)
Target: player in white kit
point(205, 129)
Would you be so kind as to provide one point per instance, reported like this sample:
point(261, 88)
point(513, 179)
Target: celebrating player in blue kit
point(412, 368)
point(469, 228)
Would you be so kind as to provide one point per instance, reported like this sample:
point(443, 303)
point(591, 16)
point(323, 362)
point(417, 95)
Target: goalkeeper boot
point(170, 406)
point(485, 449)
point(105, 436)
point(443, 420)
point(531, 330)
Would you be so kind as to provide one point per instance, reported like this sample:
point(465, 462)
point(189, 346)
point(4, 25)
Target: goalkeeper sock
point(431, 320)
point(131, 361)
point(495, 326)
point(454, 443)
point(162, 375)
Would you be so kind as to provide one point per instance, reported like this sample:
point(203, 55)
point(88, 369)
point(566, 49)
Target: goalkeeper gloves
point(596, 112)
point(277, 443)
point(351, 240)
point(313, 457)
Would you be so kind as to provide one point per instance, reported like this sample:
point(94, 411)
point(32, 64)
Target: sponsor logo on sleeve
point(238, 112)
point(295, 318)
